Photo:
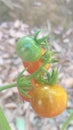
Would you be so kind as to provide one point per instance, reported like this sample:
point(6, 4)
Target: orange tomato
point(49, 101)
point(33, 66)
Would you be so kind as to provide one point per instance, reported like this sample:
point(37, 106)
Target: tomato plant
point(49, 101)
point(33, 66)
point(40, 87)
point(28, 49)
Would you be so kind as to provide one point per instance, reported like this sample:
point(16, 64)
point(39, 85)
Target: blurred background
point(22, 17)
point(36, 13)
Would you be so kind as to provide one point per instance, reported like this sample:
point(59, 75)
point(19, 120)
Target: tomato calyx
point(49, 78)
point(41, 40)
point(53, 77)
point(24, 85)
point(48, 56)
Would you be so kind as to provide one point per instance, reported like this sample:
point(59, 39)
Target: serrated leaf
point(4, 125)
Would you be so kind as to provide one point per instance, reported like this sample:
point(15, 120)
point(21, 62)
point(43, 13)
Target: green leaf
point(3, 121)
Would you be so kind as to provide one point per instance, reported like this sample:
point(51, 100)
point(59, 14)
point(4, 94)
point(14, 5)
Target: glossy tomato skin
point(28, 49)
point(34, 66)
point(49, 101)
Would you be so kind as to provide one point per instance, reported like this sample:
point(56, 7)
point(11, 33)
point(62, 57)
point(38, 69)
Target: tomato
point(33, 66)
point(48, 101)
point(28, 49)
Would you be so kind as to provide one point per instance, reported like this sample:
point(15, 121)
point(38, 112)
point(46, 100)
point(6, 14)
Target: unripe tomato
point(49, 101)
point(33, 66)
point(28, 49)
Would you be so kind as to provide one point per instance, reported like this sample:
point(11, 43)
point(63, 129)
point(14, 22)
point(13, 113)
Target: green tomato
point(28, 49)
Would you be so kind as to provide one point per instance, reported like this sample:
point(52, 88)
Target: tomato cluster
point(47, 98)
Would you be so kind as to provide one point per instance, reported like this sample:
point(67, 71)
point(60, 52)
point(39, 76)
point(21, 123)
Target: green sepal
point(53, 77)
point(24, 84)
point(40, 40)
point(50, 78)
point(41, 79)
point(48, 57)
point(36, 34)
point(23, 92)
point(23, 81)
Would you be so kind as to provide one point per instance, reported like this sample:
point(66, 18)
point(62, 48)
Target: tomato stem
point(39, 70)
point(66, 123)
point(15, 84)
point(7, 86)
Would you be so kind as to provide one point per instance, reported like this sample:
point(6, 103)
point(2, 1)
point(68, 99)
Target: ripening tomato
point(48, 101)
point(28, 49)
point(33, 66)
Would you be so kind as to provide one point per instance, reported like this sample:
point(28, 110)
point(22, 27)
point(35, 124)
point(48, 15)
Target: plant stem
point(30, 77)
point(8, 86)
point(39, 70)
point(15, 84)
point(66, 123)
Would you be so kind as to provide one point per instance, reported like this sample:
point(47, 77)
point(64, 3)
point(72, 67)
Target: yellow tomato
point(49, 101)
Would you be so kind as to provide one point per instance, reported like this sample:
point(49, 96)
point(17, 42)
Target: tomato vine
point(41, 79)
